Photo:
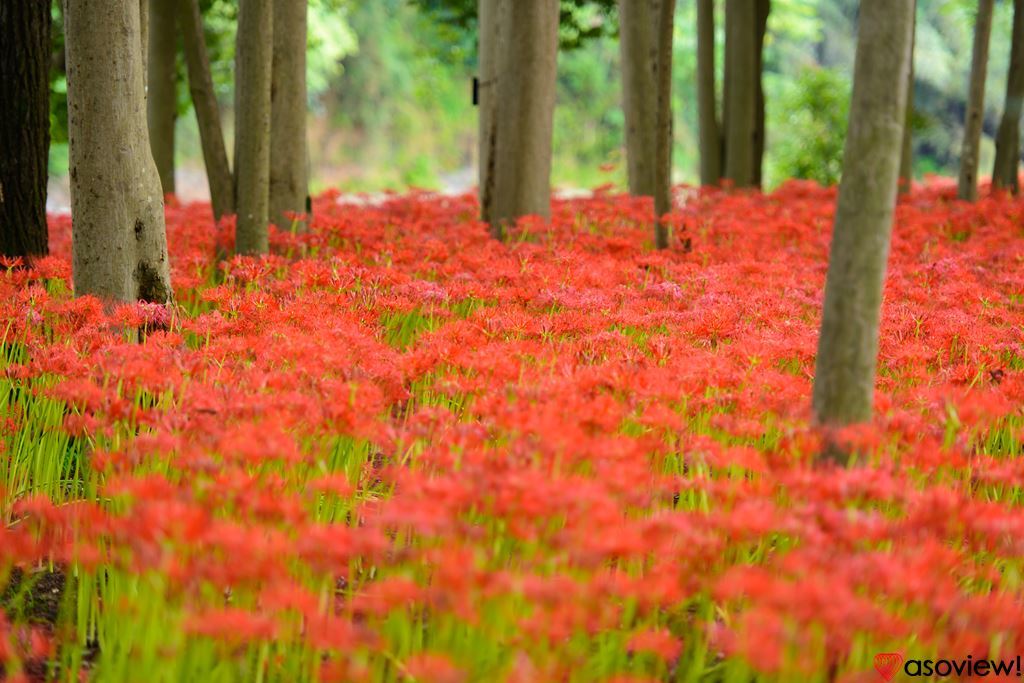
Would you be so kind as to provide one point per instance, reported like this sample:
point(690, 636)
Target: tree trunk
point(144, 40)
point(490, 48)
point(526, 94)
point(663, 143)
point(289, 155)
point(204, 100)
point(119, 246)
point(848, 345)
point(24, 126)
point(906, 178)
point(740, 95)
point(162, 88)
point(253, 60)
point(638, 22)
point(1004, 172)
point(764, 8)
point(710, 139)
point(967, 187)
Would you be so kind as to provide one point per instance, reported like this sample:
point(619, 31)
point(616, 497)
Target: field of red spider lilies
point(398, 450)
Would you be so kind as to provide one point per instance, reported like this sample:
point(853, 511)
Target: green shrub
point(808, 127)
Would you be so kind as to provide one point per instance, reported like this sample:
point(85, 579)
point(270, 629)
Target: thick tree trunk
point(663, 149)
point(764, 8)
point(144, 39)
point(253, 59)
point(848, 346)
point(638, 23)
point(289, 155)
point(906, 178)
point(204, 100)
point(740, 92)
point(162, 88)
point(710, 138)
point(967, 186)
point(1004, 172)
point(490, 46)
point(526, 97)
point(119, 246)
point(24, 125)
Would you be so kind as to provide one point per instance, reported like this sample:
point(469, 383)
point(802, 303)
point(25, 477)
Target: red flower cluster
point(397, 449)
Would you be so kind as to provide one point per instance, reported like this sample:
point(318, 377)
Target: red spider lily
point(233, 626)
point(659, 642)
point(415, 429)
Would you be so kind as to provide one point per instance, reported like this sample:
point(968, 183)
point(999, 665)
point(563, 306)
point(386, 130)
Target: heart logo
point(888, 663)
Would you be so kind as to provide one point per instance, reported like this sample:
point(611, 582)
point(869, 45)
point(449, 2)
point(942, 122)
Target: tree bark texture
point(638, 23)
point(710, 137)
point(906, 178)
point(525, 112)
point(1004, 172)
point(663, 142)
point(489, 44)
point(740, 93)
point(162, 88)
point(253, 62)
point(289, 155)
point(760, 31)
point(967, 184)
point(204, 100)
point(24, 126)
point(848, 345)
point(144, 40)
point(119, 244)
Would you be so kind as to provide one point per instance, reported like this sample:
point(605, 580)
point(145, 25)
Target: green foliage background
point(390, 90)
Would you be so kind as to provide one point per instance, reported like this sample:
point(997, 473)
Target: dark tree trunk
point(663, 121)
point(489, 49)
point(24, 125)
point(289, 156)
point(907, 149)
point(739, 101)
point(1004, 173)
point(638, 24)
point(162, 87)
point(967, 186)
point(764, 8)
point(710, 137)
point(253, 63)
point(204, 100)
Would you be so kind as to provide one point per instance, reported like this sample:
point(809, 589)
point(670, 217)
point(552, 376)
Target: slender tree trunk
point(253, 61)
point(24, 125)
point(848, 345)
point(204, 100)
point(740, 93)
point(663, 150)
point(289, 155)
point(764, 8)
point(119, 246)
point(162, 88)
point(907, 148)
point(638, 22)
point(490, 51)
point(525, 113)
point(967, 187)
point(710, 138)
point(1004, 173)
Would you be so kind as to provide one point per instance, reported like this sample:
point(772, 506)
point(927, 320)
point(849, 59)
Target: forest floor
point(397, 450)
